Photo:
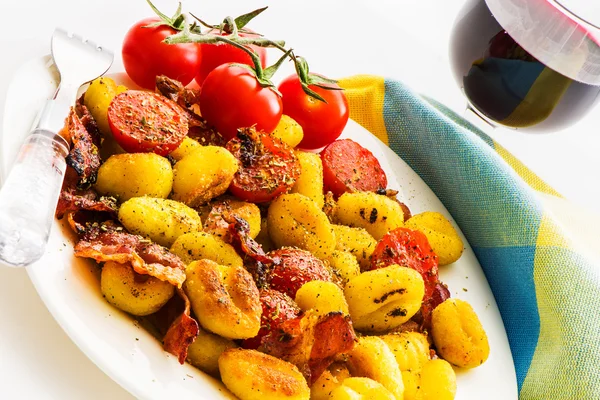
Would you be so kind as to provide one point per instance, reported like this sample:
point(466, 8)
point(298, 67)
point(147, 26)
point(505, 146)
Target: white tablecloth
point(406, 39)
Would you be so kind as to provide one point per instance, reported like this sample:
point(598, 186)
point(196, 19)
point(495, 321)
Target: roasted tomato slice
point(268, 167)
point(293, 268)
point(277, 308)
point(349, 167)
point(144, 122)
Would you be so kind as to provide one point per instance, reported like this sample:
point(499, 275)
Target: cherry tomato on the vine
point(321, 122)
point(145, 56)
point(214, 55)
point(232, 98)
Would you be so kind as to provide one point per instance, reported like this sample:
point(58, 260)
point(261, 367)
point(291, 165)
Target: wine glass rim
point(594, 26)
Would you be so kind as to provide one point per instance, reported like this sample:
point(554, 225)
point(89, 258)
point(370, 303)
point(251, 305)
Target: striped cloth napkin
point(539, 254)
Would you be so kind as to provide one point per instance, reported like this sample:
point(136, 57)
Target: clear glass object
point(526, 64)
point(28, 198)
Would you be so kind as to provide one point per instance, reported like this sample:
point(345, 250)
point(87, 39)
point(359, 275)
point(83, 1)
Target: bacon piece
point(83, 156)
point(311, 342)
point(182, 332)
point(239, 231)
point(88, 121)
point(108, 242)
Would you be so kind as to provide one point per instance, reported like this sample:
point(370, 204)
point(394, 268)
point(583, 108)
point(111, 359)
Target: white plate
point(132, 357)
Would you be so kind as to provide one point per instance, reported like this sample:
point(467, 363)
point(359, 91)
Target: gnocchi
point(310, 181)
point(252, 375)
point(295, 220)
point(443, 238)
point(385, 298)
point(344, 265)
point(133, 175)
point(357, 241)
point(361, 389)
point(376, 213)
point(201, 245)
point(321, 297)
point(289, 131)
point(160, 220)
point(224, 299)
point(458, 334)
point(204, 353)
point(330, 379)
point(186, 147)
point(371, 358)
point(136, 294)
point(203, 175)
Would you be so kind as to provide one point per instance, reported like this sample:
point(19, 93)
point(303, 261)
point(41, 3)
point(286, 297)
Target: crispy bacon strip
point(240, 238)
point(83, 157)
point(311, 342)
point(182, 332)
point(108, 242)
point(73, 200)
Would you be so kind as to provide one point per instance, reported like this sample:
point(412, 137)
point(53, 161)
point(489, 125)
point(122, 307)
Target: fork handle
point(28, 197)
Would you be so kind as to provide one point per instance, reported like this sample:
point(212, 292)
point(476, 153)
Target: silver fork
point(29, 195)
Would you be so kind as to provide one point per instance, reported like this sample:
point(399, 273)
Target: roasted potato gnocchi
point(310, 181)
point(321, 297)
point(225, 299)
point(97, 99)
point(289, 131)
point(330, 379)
point(361, 389)
point(385, 298)
point(160, 220)
point(357, 241)
point(203, 175)
point(458, 334)
point(437, 381)
point(344, 265)
point(204, 353)
point(372, 358)
point(295, 220)
point(378, 214)
point(252, 375)
point(136, 294)
point(124, 176)
point(186, 147)
point(443, 238)
point(201, 245)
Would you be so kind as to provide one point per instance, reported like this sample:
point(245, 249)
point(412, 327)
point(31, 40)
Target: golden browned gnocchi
point(224, 299)
point(330, 379)
point(385, 298)
point(361, 389)
point(252, 375)
point(203, 174)
point(443, 238)
point(295, 220)
point(437, 381)
point(289, 131)
point(187, 146)
point(357, 241)
point(160, 220)
point(204, 353)
point(136, 294)
point(376, 213)
point(411, 350)
point(458, 334)
point(124, 176)
point(201, 245)
point(372, 358)
point(344, 265)
point(310, 181)
point(321, 297)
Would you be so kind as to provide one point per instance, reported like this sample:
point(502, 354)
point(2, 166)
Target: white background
point(403, 39)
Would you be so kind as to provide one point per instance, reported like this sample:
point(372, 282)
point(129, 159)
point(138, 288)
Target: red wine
point(507, 85)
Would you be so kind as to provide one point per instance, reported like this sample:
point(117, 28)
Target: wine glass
point(526, 64)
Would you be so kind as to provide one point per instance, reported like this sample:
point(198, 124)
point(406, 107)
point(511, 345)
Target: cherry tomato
point(277, 308)
point(146, 122)
point(231, 98)
point(145, 56)
point(321, 122)
point(293, 268)
point(349, 167)
point(267, 166)
point(214, 55)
